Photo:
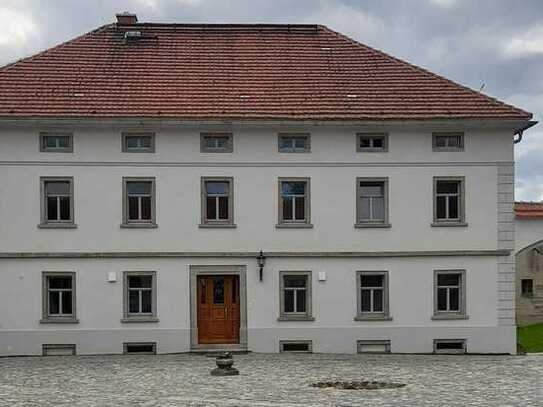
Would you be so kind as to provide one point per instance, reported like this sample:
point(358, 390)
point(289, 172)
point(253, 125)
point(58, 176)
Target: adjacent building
point(529, 257)
point(271, 188)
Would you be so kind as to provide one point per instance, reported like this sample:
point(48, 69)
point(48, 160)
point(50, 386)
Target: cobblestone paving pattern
point(270, 380)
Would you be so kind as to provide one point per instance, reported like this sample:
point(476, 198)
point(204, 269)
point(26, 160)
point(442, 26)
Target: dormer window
point(448, 141)
point(138, 142)
point(56, 142)
point(371, 142)
point(216, 143)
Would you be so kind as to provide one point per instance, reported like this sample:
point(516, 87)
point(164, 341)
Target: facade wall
point(99, 305)
point(97, 166)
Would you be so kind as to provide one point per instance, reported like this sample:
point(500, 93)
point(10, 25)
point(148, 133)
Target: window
point(295, 296)
point(371, 142)
point(296, 346)
point(294, 202)
point(373, 346)
point(527, 287)
point(450, 295)
point(294, 143)
point(217, 202)
point(57, 202)
point(56, 142)
point(372, 202)
point(216, 143)
point(140, 296)
point(139, 202)
point(58, 350)
point(449, 201)
point(59, 297)
point(450, 346)
point(372, 295)
point(139, 348)
point(138, 142)
point(448, 141)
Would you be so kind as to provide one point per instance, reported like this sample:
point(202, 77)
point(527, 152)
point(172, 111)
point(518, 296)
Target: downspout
point(520, 131)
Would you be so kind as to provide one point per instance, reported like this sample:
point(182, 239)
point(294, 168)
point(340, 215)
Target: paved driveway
point(270, 380)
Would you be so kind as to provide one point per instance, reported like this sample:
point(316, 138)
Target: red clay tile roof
point(225, 71)
point(529, 210)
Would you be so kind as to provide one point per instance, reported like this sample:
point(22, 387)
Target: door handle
point(225, 312)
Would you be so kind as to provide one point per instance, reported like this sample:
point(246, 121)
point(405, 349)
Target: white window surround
point(294, 142)
point(372, 142)
point(372, 314)
point(294, 199)
point(295, 315)
point(139, 221)
point(56, 142)
point(458, 290)
point(460, 195)
point(131, 316)
point(369, 222)
point(218, 222)
point(143, 142)
point(61, 293)
point(58, 222)
point(447, 141)
point(216, 143)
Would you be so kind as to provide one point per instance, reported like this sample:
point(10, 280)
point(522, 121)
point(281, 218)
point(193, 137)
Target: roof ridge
point(425, 71)
point(9, 65)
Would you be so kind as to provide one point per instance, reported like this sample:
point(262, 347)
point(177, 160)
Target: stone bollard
point(224, 366)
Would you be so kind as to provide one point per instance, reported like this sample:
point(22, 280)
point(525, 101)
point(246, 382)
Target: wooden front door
point(218, 309)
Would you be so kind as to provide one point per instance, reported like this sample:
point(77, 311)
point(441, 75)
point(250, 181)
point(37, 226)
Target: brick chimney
point(126, 18)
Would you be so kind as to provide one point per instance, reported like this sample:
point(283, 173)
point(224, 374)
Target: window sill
point(443, 317)
point(296, 318)
point(372, 150)
point(372, 318)
point(217, 226)
point(447, 150)
point(139, 226)
point(139, 319)
point(294, 226)
point(448, 224)
point(371, 225)
point(57, 226)
point(59, 320)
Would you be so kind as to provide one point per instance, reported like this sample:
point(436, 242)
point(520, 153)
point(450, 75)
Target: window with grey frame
point(59, 297)
point(217, 202)
point(216, 142)
point(138, 142)
point(294, 202)
point(371, 142)
point(448, 141)
point(57, 202)
point(449, 201)
point(139, 202)
point(372, 295)
point(56, 142)
point(140, 296)
point(449, 294)
point(295, 298)
point(294, 143)
point(372, 202)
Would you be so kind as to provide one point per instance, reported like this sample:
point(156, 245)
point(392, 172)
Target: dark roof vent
point(132, 36)
point(126, 18)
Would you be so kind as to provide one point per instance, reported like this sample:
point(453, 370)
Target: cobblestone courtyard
point(270, 380)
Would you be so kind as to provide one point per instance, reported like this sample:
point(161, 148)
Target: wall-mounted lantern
point(261, 262)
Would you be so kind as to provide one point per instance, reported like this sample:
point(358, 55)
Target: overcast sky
point(498, 43)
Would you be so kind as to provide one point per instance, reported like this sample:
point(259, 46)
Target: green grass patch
point(530, 338)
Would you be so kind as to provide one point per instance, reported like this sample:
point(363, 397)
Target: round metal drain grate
point(358, 385)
